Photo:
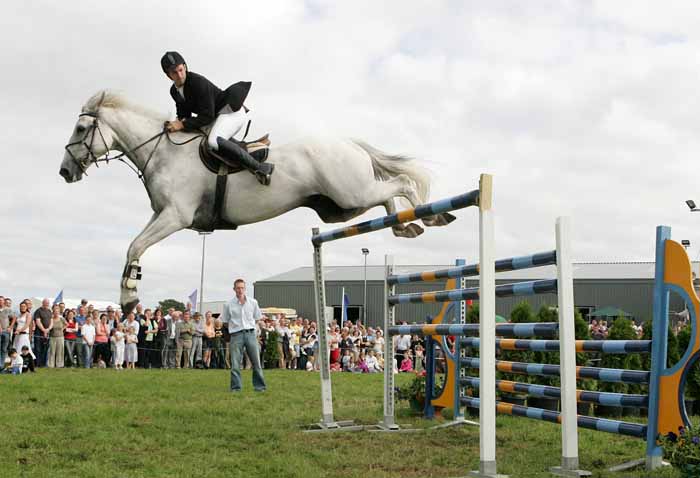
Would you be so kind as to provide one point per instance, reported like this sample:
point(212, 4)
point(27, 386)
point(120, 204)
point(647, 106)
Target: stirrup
point(263, 178)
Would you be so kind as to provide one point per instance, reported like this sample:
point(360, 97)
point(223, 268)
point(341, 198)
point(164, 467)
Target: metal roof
point(582, 270)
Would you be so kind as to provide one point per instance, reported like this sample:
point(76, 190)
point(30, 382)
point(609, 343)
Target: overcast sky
point(580, 108)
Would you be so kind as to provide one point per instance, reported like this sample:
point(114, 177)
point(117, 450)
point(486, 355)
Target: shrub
point(621, 329)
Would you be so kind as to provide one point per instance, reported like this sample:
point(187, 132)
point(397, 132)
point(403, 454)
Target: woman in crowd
point(150, 332)
point(356, 343)
point(56, 339)
point(102, 352)
point(379, 343)
point(334, 342)
point(309, 344)
point(22, 328)
point(70, 336)
point(163, 337)
point(208, 339)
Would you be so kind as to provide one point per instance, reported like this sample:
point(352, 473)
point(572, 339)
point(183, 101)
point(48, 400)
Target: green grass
point(102, 423)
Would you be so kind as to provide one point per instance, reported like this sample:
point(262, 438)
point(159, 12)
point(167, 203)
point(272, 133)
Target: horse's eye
point(80, 128)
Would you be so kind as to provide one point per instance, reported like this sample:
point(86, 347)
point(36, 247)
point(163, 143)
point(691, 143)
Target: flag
point(344, 313)
point(59, 298)
point(193, 299)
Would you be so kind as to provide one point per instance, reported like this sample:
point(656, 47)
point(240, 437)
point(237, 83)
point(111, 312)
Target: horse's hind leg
point(409, 191)
point(442, 219)
point(409, 230)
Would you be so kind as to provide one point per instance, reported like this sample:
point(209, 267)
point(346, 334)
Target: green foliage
point(683, 451)
point(171, 303)
point(473, 314)
point(547, 314)
point(581, 332)
point(415, 389)
point(692, 386)
point(271, 355)
point(521, 313)
point(621, 329)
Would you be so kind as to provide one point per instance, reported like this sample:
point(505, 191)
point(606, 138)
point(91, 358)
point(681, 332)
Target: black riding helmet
point(170, 60)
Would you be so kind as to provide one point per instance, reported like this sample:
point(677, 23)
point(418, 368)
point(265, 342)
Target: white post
point(567, 352)
point(487, 331)
point(322, 322)
point(388, 422)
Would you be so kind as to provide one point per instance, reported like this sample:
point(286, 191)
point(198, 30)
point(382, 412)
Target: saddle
point(208, 216)
point(258, 149)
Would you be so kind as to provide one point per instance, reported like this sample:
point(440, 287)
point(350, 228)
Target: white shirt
point(403, 342)
point(241, 316)
point(18, 362)
point(88, 331)
point(135, 324)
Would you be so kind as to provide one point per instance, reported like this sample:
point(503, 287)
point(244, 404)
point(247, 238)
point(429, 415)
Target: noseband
point(89, 157)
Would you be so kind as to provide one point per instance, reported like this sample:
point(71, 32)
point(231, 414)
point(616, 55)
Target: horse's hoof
point(442, 219)
point(414, 229)
point(409, 231)
point(129, 306)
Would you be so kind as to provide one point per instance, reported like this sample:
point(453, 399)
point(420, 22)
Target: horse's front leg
point(158, 228)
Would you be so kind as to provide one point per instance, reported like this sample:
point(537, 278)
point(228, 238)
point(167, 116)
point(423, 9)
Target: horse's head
point(91, 138)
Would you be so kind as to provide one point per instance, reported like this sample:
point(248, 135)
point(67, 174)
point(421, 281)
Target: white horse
point(339, 179)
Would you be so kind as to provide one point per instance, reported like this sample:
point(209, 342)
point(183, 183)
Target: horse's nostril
point(64, 172)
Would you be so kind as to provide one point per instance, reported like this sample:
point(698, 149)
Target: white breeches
point(227, 125)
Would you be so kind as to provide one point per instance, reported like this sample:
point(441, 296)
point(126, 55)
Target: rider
point(193, 93)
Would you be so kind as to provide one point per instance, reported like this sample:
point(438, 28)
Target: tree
point(171, 303)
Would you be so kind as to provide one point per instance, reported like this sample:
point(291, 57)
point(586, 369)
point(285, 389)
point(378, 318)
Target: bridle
point(91, 158)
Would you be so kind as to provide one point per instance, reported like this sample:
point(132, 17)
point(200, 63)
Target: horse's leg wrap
point(132, 274)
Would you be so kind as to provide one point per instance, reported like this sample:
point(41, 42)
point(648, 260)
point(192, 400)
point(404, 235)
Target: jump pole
point(487, 333)
point(328, 423)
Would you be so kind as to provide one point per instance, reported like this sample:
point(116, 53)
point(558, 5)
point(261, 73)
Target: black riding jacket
point(205, 99)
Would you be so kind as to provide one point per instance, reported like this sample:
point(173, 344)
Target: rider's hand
point(173, 126)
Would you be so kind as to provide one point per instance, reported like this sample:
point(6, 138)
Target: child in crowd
point(131, 349)
point(372, 364)
point(362, 364)
point(419, 358)
point(14, 363)
point(27, 360)
point(118, 341)
point(346, 360)
point(407, 363)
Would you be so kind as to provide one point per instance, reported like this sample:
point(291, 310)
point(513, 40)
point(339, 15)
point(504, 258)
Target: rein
point(91, 158)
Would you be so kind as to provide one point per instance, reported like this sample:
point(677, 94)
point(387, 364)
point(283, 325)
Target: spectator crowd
point(54, 336)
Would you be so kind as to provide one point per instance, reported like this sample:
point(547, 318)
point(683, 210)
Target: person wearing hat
point(224, 110)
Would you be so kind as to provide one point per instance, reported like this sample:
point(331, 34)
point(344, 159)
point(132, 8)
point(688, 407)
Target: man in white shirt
point(240, 315)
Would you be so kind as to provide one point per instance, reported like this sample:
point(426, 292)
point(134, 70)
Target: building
point(625, 285)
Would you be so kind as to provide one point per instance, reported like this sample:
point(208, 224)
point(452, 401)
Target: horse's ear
point(102, 98)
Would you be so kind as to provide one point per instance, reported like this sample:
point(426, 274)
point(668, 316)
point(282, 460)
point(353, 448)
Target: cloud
point(586, 109)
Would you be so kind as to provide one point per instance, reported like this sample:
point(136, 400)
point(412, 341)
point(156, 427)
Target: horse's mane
point(117, 100)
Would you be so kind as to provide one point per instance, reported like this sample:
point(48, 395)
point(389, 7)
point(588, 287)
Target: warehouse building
point(624, 285)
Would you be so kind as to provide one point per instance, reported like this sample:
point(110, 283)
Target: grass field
point(152, 423)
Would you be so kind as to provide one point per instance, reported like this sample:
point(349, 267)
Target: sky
point(587, 109)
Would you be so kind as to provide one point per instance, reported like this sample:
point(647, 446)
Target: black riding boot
point(233, 152)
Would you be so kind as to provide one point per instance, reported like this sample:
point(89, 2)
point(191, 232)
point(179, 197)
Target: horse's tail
point(387, 166)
